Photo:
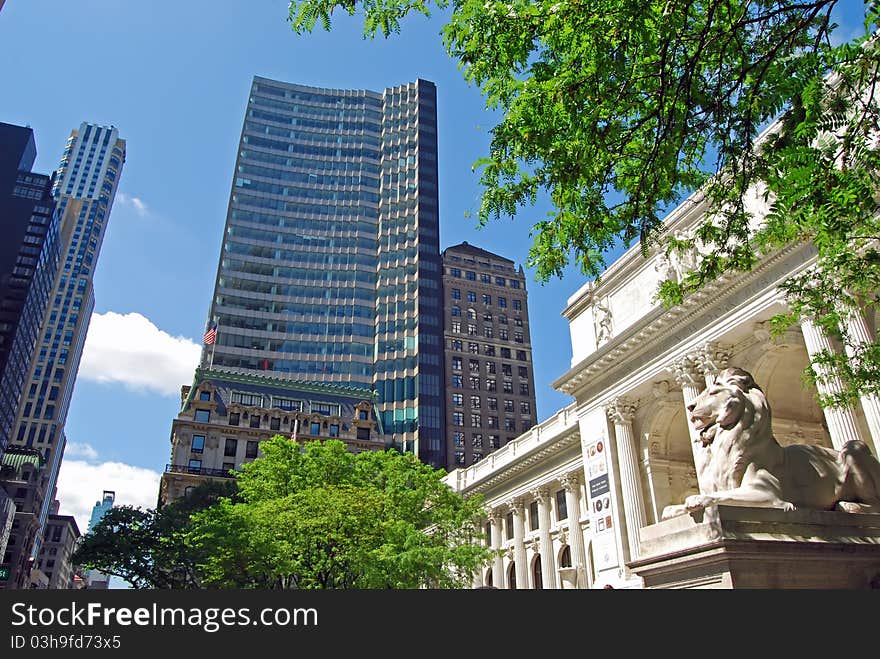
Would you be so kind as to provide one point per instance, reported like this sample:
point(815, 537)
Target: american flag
point(211, 335)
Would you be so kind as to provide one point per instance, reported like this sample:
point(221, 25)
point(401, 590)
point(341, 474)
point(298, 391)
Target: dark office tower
point(84, 188)
point(28, 261)
point(490, 383)
point(329, 268)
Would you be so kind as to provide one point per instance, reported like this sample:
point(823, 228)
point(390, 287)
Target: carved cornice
point(660, 330)
point(621, 410)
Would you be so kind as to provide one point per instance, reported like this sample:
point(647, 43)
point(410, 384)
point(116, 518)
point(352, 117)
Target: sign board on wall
point(601, 506)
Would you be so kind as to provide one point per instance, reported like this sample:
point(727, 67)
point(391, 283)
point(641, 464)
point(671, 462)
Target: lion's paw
point(673, 511)
point(697, 502)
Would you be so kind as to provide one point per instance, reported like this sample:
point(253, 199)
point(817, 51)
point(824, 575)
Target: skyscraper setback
point(330, 266)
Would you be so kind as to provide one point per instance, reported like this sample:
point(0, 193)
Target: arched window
point(488, 580)
point(537, 578)
point(189, 489)
point(565, 557)
point(511, 576)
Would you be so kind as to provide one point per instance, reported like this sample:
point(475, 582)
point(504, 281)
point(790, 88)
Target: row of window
point(486, 299)
point(487, 316)
point(491, 384)
point(525, 407)
point(474, 367)
point(488, 350)
point(488, 332)
point(470, 275)
point(491, 421)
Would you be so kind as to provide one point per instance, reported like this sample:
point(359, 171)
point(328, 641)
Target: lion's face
point(718, 406)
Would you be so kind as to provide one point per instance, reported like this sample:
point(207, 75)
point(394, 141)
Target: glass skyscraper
point(330, 266)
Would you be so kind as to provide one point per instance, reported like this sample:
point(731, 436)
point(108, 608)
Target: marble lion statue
point(744, 465)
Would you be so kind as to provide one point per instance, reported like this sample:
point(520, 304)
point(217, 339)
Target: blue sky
point(173, 77)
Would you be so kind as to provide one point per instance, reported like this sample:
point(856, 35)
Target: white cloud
point(77, 450)
point(135, 202)
point(81, 484)
point(129, 349)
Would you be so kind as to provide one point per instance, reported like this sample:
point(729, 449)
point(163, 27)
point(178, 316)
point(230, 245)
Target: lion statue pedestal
point(742, 547)
point(769, 517)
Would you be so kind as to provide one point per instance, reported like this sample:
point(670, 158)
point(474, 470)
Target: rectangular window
point(509, 424)
point(508, 523)
point(493, 421)
point(490, 368)
point(523, 372)
point(287, 403)
point(198, 443)
point(507, 369)
point(251, 449)
point(523, 389)
point(502, 302)
point(475, 383)
point(234, 418)
point(561, 509)
point(363, 434)
point(492, 403)
point(325, 409)
point(477, 440)
point(487, 331)
point(518, 337)
point(275, 423)
point(494, 441)
point(205, 395)
point(457, 381)
point(517, 305)
point(459, 458)
point(456, 293)
point(525, 407)
point(470, 275)
point(458, 439)
point(455, 272)
point(457, 400)
point(458, 418)
point(315, 428)
point(231, 448)
point(487, 299)
point(474, 348)
point(194, 466)
point(456, 327)
point(228, 466)
point(456, 363)
point(474, 365)
point(255, 421)
point(255, 400)
point(508, 406)
point(203, 416)
point(334, 430)
point(485, 278)
point(533, 515)
point(476, 421)
point(475, 402)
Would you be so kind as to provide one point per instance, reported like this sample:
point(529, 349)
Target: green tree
point(617, 110)
point(146, 547)
point(317, 516)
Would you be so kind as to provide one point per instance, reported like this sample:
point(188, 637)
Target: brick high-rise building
point(490, 382)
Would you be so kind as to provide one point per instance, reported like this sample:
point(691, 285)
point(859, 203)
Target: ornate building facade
point(225, 415)
point(568, 498)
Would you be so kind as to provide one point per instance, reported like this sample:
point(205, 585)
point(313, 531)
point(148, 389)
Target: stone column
point(519, 547)
point(691, 381)
point(841, 420)
point(572, 484)
point(621, 412)
point(498, 576)
point(548, 560)
point(860, 335)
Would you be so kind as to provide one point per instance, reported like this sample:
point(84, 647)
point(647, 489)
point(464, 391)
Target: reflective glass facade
point(329, 268)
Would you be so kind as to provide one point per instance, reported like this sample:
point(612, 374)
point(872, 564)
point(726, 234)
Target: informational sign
point(601, 507)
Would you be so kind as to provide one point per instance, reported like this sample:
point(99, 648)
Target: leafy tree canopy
point(317, 516)
point(618, 110)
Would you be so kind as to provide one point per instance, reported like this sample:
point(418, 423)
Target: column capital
point(516, 506)
point(541, 493)
point(495, 515)
point(571, 482)
point(712, 357)
point(686, 372)
point(621, 410)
